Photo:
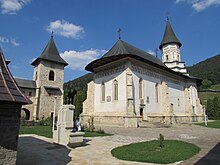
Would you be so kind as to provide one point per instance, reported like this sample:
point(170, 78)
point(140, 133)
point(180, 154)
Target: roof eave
point(38, 59)
point(170, 42)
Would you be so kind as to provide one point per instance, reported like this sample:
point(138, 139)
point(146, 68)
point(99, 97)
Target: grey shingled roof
point(169, 36)
point(50, 53)
point(9, 90)
point(121, 50)
point(23, 83)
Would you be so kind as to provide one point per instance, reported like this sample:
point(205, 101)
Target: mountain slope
point(207, 69)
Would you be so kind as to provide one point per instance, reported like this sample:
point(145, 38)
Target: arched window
point(51, 75)
point(115, 90)
point(157, 93)
point(103, 92)
point(141, 88)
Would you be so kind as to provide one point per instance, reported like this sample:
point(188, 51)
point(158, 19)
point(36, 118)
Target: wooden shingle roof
point(23, 83)
point(9, 91)
point(50, 53)
point(120, 50)
point(169, 36)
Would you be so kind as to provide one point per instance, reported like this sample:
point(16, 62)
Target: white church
point(133, 88)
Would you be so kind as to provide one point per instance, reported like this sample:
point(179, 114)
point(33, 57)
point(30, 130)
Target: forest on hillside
point(75, 92)
point(208, 71)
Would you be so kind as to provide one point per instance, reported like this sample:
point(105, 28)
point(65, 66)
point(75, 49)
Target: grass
point(46, 131)
point(151, 152)
point(215, 87)
point(95, 134)
point(211, 124)
point(209, 95)
point(38, 130)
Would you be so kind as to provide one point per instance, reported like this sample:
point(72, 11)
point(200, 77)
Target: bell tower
point(170, 47)
point(49, 78)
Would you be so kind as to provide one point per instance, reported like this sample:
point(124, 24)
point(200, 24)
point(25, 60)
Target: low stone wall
point(9, 127)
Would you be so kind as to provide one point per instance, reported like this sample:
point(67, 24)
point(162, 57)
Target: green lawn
point(211, 124)
point(38, 130)
point(151, 152)
point(47, 131)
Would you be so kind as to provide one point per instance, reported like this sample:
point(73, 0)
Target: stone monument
point(64, 133)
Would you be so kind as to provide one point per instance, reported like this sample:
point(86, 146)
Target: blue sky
point(85, 29)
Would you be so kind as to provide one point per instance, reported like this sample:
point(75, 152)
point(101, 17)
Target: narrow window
point(103, 92)
point(141, 88)
point(29, 94)
point(51, 76)
point(115, 90)
point(157, 93)
point(167, 57)
point(36, 76)
point(178, 101)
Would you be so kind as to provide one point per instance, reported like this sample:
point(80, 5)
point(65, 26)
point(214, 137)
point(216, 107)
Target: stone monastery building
point(132, 88)
point(46, 88)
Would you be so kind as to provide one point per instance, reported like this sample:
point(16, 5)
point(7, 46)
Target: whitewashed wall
point(119, 105)
point(176, 92)
point(149, 91)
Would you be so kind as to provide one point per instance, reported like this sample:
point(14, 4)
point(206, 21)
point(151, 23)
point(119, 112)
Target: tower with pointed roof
point(49, 78)
point(170, 47)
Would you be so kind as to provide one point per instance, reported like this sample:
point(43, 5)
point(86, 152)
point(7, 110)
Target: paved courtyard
point(33, 149)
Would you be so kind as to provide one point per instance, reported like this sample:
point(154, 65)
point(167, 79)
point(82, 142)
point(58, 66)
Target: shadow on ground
point(212, 157)
point(39, 152)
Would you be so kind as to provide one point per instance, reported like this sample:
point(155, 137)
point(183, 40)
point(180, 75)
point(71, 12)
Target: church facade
point(46, 88)
point(132, 88)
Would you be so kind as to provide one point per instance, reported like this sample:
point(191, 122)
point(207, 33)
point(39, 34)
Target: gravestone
point(63, 134)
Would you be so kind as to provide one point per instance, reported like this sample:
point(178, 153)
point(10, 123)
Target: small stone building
point(11, 100)
point(45, 90)
point(133, 88)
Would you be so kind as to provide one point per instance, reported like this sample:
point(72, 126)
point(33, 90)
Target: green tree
point(213, 107)
point(206, 84)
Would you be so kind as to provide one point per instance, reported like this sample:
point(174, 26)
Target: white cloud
point(78, 60)
point(7, 40)
point(4, 39)
point(14, 42)
point(65, 29)
point(12, 6)
point(200, 5)
point(151, 52)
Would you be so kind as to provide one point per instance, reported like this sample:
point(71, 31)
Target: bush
point(161, 139)
point(206, 84)
point(213, 107)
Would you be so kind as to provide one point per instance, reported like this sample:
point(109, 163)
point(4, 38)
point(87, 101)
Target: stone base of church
point(137, 121)
point(174, 119)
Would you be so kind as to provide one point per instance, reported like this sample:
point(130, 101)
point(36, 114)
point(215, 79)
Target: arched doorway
point(141, 112)
point(25, 114)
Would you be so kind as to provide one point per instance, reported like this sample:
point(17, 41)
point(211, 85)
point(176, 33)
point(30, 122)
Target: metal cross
point(119, 33)
point(156, 50)
point(167, 16)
